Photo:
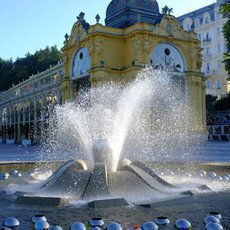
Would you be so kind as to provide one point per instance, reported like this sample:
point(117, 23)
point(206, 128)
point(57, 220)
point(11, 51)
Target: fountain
point(108, 142)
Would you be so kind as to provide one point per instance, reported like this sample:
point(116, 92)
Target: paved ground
point(214, 152)
point(193, 208)
point(18, 153)
point(209, 152)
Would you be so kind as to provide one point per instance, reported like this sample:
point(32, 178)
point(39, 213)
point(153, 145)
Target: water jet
point(109, 147)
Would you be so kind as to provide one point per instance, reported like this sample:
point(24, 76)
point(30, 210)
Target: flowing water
point(146, 119)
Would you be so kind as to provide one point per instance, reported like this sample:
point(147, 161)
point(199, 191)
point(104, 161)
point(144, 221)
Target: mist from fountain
point(146, 119)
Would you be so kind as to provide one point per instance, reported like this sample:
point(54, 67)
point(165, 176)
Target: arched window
point(218, 84)
point(81, 64)
point(4, 115)
point(208, 84)
point(187, 24)
point(206, 18)
point(167, 56)
point(197, 22)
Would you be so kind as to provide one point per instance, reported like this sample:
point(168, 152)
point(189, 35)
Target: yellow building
point(136, 34)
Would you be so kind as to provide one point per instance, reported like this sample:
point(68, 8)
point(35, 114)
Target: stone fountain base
point(75, 180)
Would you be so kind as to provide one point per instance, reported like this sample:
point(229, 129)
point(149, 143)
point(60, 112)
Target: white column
point(1, 125)
point(6, 122)
point(10, 114)
point(35, 117)
point(15, 125)
point(29, 113)
point(42, 114)
point(19, 128)
point(23, 115)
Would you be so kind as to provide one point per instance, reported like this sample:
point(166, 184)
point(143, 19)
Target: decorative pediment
point(78, 33)
point(169, 26)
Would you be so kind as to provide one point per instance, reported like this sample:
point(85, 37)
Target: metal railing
point(219, 132)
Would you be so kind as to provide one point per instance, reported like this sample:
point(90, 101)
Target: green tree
point(210, 108)
point(225, 11)
point(15, 72)
point(223, 104)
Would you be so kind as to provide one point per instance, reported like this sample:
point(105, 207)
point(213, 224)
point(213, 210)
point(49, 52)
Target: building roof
point(199, 13)
point(124, 13)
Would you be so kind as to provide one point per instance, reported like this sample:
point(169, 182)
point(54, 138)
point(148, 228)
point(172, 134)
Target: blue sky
point(30, 25)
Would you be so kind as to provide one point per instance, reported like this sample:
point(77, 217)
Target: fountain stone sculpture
point(142, 122)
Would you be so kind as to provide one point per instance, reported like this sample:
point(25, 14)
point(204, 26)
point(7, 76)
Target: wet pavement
point(18, 153)
point(194, 208)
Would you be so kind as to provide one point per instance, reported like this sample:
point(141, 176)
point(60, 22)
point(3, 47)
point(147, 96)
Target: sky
point(30, 25)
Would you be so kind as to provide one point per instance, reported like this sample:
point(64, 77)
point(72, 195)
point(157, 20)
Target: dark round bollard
point(96, 222)
point(162, 220)
point(12, 223)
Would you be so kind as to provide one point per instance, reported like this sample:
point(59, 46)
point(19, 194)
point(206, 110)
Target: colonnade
point(23, 108)
point(24, 121)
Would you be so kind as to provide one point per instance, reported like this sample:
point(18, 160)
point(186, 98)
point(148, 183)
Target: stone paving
point(193, 208)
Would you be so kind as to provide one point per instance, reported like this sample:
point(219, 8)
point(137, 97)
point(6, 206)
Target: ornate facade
point(116, 51)
point(208, 24)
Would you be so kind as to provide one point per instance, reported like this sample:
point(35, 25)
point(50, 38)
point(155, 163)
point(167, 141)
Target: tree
point(214, 105)
point(15, 72)
point(210, 108)
point(225, 11)
point(223, 104)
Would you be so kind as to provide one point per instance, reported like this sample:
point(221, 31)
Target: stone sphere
point(55, 227)
point(183, 224)
point(77, 226)
point(216, 214)
point(150, 225)
point(114, 226)
point(41, 225)
point(37, 218)
point(225, 178)
point(4, 176)
point(202, 173)
point(13, 172)
point(212, 175)
point(212, 219)
point(213, 226)
point(11, 222)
